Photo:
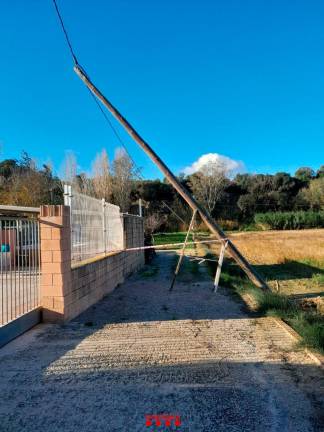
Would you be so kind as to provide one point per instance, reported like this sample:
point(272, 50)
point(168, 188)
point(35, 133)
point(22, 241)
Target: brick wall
point(67, 291)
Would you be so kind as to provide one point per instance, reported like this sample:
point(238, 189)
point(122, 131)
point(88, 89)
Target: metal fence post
point(140, 208)
point(68, 202)
point(103, 202)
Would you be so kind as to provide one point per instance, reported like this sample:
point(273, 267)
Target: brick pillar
point(55, 235)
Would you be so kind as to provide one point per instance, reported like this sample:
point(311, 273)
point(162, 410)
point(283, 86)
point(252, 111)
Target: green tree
point(320, 171)
point(23, 183)
point(314, 194)
point(305, 174)
point(7, 168)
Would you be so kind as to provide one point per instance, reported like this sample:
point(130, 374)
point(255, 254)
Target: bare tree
point(69, 168)
point(101, 177)
point(180, 214)
point(69, 172)
point(208, 184)
point(83, 184)
point(153, 222)
point(123, 178)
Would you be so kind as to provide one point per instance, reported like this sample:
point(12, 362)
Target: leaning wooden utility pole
point(214, 228)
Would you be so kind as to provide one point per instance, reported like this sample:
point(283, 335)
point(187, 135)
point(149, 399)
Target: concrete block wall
point(90, 282)
point(67, 290)
point(133, 237)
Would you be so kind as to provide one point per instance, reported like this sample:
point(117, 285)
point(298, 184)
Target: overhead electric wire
point(108, 121)
point(65, 32)
point(138, 170)
point(75, 60)
point(172, 211)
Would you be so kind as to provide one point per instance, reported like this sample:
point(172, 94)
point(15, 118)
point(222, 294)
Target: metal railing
point(96, 226)
point(19, 267)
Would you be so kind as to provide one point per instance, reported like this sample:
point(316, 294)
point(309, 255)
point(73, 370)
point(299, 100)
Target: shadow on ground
point(57, 384)
point(148, 298)
point(288, 270)
point(143, 350)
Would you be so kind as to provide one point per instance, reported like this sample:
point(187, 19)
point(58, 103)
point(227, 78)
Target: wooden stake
point(183, 249)
point(219, 265)
point(207, 219)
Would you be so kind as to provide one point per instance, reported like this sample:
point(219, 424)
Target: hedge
point(290, 220)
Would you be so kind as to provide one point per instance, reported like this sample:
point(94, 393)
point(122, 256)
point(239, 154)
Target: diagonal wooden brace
point(219, 265)
point(183, 250)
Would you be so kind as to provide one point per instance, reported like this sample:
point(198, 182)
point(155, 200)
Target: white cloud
point(229, 165)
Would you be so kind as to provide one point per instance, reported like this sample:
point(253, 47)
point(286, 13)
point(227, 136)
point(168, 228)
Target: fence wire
point(96, 226)
point(19, 267)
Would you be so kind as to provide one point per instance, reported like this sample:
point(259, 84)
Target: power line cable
point(75, 60)
point(173, 211)
point(65, 32)
point(138, 172)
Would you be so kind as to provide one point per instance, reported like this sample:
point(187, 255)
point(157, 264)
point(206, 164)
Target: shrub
point(290, 220)
point(311, 327)
point(269, 301)
point(228, 225)
point(318, 278)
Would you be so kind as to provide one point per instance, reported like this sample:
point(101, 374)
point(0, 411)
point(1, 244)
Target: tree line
point(233, 200)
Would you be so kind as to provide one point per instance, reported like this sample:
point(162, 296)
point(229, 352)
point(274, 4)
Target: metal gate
point(19, 275)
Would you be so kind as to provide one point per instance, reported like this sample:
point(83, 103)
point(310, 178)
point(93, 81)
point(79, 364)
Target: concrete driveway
point(143, 350)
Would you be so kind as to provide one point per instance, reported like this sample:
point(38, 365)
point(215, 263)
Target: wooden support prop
point(183, 250)
point(186, 195)
point(219, 265)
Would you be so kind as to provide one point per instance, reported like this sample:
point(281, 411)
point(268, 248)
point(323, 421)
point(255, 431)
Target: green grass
point(308, 324)
point(176, 237)
point(313, 263)
point(165, 238)
point(290, 220)
point(272, 303)
point(318, 278)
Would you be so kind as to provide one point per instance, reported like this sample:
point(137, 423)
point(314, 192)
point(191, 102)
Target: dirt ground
point(145, 350)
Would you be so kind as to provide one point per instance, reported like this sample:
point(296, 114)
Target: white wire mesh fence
point(19, 267)
point(96, 226)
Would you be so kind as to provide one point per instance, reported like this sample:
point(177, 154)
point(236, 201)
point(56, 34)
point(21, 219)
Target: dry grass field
point(278, 247)
point(291, 261)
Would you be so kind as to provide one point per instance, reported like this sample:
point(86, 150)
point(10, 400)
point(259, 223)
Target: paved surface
point(143, 350)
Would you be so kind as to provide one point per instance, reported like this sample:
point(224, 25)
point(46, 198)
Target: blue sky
point(244, 79)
